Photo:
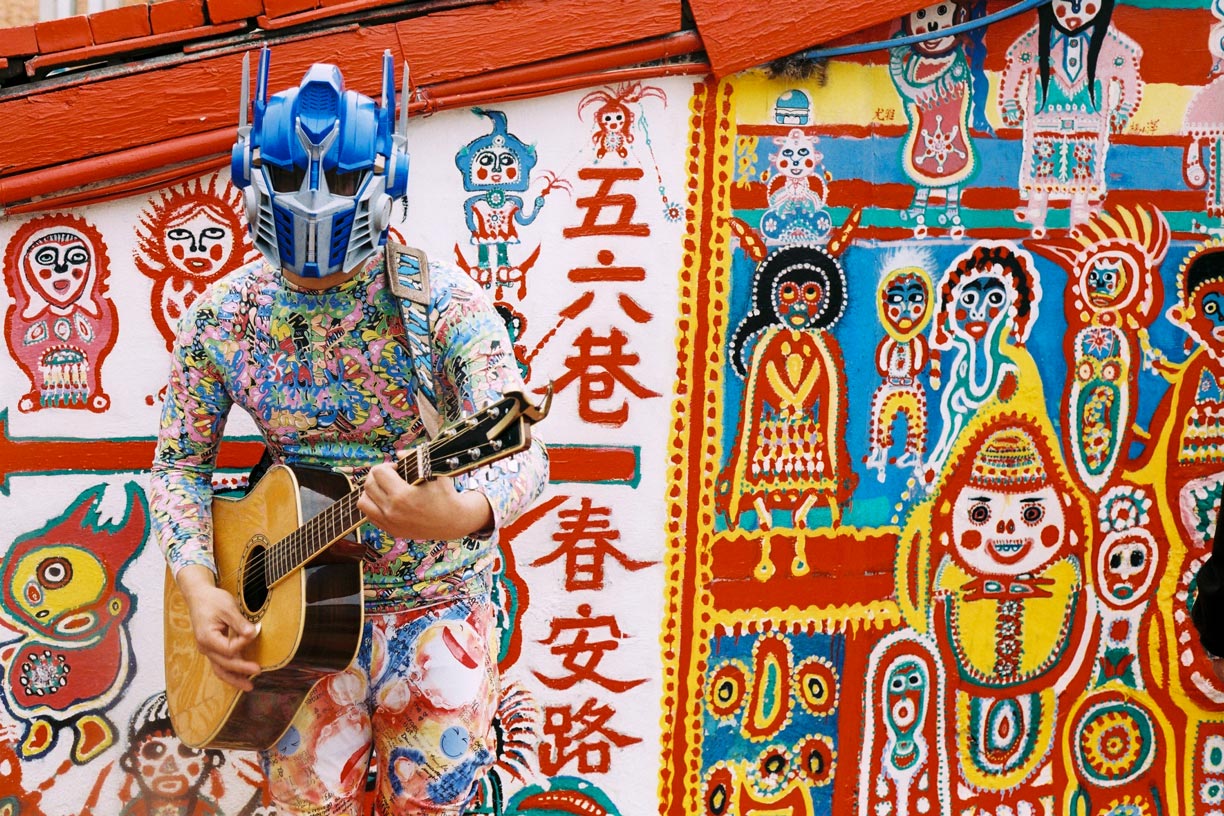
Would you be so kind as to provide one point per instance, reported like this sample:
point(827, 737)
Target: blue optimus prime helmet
point(319, 167)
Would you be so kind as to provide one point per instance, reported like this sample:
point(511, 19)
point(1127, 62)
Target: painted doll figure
point(1204, 124)
point(796, 193)
point(497, 167)
point(904, 302)
point(993, 568)
point(1071, 80)
point(934, 81)
point(60, 590)
point(790, 449)
point(1113, 263)
point(987, 304)
point(62, 324)
point(614, 118)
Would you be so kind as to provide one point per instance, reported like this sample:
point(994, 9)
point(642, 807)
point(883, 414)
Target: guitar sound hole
point(254, 585)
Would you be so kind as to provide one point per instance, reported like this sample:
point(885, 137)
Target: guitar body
point(311, 619)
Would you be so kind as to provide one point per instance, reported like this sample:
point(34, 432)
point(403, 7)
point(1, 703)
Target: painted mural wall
point(886, 443)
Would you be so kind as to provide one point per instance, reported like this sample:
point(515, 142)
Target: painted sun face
point(1127, 566)
point(906, 686)
point(1072, 15)
point(979, 306)
point(57, 588)
point(799, 303)
point(199, 244)
point(934, 17)
point(493, 166)
point(1003, 533)
point(58, 265)
point(167, 768)
point(904, 305)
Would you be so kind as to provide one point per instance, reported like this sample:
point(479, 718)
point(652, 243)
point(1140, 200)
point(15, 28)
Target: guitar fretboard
point(332, 524)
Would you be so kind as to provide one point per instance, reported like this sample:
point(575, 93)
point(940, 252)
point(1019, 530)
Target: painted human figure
point(935, 83)
point(62, 324)
point(168, 775)
point(614, 118)
point(1182, 463)
point(1113, 263)
point(497, 167)
point(796, 193)
point(187, 239)
point(1071, 80)
point(904, 765)
point(1204, 124)
point(61, 591)
point(993, 567)
point(790, 449)
point(904, 303)
point(987, 302)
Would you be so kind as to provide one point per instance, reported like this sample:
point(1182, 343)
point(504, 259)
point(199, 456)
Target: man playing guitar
point(310, 341)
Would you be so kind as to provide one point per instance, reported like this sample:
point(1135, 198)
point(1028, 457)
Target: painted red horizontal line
point(599, 274)
point(850, 571)
point(578, 463)
point(30, 457)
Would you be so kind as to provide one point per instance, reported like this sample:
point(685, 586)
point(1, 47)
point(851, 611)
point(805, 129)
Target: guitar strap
point(407, 271)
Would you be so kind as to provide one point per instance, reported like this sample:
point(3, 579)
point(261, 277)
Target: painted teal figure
point(497, 167)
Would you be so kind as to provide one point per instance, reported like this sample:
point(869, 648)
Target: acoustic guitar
point(286, 553)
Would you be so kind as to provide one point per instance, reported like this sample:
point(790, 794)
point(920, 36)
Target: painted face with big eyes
point(797, 155)
point(906, 687)
point(1106, 280)
point(1127, 566)
point(1072, 15)
point(1005, 533)
point(904, 303)
point(934, 17)
point(493, 166)
point(798, 303)
point(168, 768)
point(979, 306)
point(199, 244)
point(1206, 323)
point(58, 266)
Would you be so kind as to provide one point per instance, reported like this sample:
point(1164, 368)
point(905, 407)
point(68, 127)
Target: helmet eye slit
point(341, 183)
point(286, 179)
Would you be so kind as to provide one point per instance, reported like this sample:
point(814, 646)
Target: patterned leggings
point(422, 693)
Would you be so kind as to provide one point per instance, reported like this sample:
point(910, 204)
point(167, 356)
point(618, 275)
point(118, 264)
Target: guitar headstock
point(501, 429)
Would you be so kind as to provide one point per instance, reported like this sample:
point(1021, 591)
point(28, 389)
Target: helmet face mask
point(319, 168)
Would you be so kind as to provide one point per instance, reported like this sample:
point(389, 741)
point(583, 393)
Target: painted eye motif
point(1032, 513)
point(55, 572)
point(789, 292)
point(979, 513)
point(811, 292)
point(153, 750)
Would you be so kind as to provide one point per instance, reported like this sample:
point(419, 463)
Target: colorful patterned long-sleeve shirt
point(327, 377)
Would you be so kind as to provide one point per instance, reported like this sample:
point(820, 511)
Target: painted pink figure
point(935, 83)
point(61, 325)
point(1071, 81)
point(1204, 124)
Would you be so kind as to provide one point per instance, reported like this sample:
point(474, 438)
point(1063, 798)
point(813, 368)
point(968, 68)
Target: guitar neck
point(334, 522)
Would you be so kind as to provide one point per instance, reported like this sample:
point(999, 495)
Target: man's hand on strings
point(221, 631)
point(429, 510)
